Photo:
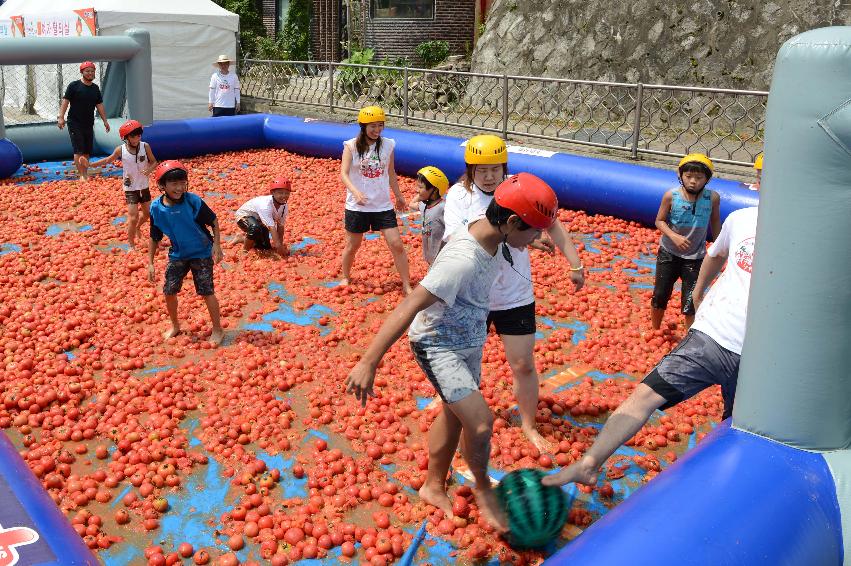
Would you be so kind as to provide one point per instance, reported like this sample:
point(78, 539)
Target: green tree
point(296, 33)
point(250, 21)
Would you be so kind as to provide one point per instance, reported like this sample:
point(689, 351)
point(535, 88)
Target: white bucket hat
point(223, 59)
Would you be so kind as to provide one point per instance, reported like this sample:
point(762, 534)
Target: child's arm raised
point(108, 159)
point(362, 375)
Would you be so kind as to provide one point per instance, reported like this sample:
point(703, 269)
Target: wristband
point(580, 268)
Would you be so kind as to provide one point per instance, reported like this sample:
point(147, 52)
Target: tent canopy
point(120, 12)
point(186, 37)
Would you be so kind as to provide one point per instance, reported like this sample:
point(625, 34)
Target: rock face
point(713, 43)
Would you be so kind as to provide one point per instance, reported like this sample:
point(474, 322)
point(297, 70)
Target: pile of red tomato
point(91, 423)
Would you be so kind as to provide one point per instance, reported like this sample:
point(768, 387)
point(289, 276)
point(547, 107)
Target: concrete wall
point(718, 43)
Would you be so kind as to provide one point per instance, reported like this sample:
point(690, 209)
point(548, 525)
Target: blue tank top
point(689, 219)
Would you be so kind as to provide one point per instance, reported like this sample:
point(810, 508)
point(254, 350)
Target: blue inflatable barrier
point(597, 186)
point(11, 158)
point(31, 525)
point(734, 481)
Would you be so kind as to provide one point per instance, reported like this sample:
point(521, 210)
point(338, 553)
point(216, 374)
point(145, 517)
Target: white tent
point(186, 37)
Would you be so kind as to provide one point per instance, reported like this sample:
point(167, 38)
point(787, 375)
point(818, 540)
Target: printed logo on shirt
point(744, 254)
point(12, 537)
point(370, 167)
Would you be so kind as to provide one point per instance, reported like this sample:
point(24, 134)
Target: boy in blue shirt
point(184, 218)
point(686, 215)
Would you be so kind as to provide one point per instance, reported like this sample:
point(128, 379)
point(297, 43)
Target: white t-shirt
point(224, 90)
point(264, 209)
point(511, 288)
point(133, 165)
point(723, 312)
point(370, 173)
point(461, 278)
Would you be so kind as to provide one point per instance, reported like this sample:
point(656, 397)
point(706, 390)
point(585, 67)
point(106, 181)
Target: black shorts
point(202, 275)
point(256, 231)
point(82, 138)
point(358, 222)
point(219, 111)
point(518, 321)
point(697, 362)
point(669, 268)
point(136, 197)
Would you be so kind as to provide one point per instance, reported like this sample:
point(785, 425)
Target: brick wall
point(325, 30)
point(454, 21)
point(267, 13)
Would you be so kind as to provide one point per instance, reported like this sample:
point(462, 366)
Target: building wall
point(454, 21)
point(268, 13)
point(325, 30)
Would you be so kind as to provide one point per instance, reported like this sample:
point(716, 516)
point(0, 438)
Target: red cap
point(128, 127)
point(166, 166)
point(280, 183)
point(85, 65)
point(530, 198)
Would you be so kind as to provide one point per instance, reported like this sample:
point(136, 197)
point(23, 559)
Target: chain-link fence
point(31, 94)
point(728, 125)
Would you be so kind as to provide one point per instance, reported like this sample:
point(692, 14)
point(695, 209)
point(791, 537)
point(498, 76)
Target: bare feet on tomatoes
point(584, 471)
point(490, 510)
point(436, 496)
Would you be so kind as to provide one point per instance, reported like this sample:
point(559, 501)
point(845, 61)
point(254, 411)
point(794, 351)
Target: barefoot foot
point(490, 510)
point(406, 290)
point(437, 497)
point(584, 471)
point(541, 443)
point(344, 281)
point(171, 332)
point(217, 336)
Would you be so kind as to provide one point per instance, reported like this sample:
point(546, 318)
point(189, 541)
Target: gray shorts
point(696, 363)
point(454, 374)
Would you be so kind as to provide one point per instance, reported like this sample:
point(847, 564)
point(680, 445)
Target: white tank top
point(133, 165)
point(370, 173)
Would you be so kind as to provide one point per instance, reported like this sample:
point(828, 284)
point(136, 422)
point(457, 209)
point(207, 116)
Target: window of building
point(422, 9)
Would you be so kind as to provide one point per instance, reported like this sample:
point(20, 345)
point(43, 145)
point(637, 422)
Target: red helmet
point(530, 198)
point(128, 127)
point(280, 183)
point(85, 65)
point(166, 166)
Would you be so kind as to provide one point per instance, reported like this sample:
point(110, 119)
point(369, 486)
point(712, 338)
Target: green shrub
point(296, 32)
point(433, 52)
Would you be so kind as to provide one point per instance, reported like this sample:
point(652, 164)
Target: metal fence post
point(59, 82)
point(505, 106)
point(636, 128)
point(330, 86)
point(405, 97)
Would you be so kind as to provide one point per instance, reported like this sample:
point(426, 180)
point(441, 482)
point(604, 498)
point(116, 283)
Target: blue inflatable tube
point(736, 499)
point(28, 515)
point(11, 158)
point(597, 186)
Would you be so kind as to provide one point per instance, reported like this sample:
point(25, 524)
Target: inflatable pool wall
point(775, 489)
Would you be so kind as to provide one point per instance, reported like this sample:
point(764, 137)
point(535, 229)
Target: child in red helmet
point(137, 162)
point(446, 314)
point(184, 218)
point(266, 215)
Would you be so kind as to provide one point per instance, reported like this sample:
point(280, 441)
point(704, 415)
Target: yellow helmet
point(436, 177)
point(485, 149)
point(370, 114)
point(697, 158)
point(758, 163)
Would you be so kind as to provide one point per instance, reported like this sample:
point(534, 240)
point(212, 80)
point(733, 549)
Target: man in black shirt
point(84, 97)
